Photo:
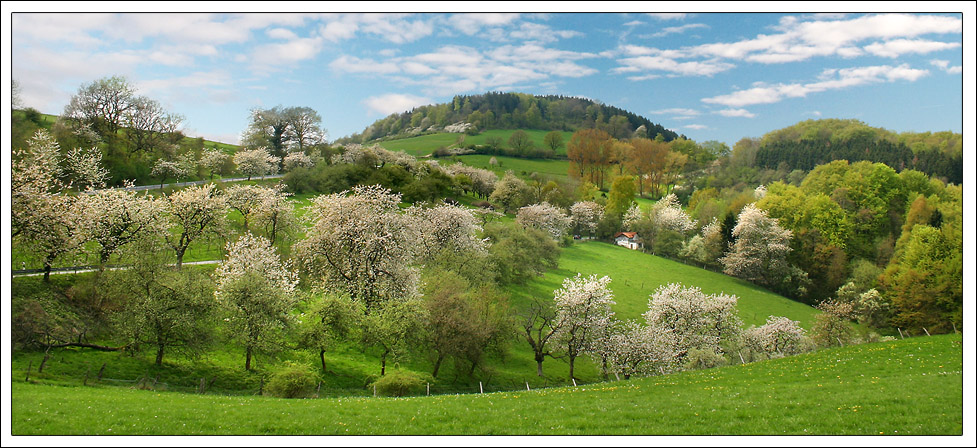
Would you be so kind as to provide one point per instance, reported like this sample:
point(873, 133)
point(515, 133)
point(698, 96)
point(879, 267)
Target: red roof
point(630, 235)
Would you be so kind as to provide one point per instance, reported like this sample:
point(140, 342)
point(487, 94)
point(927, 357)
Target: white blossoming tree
point(760, 251)
point(483, 181)
point(585, 216)
point(256, 162)
point(85, 168)
point(213, 160)
point(511, 192)
point(545, 217)
point(195, 212)
point(116, 218)
point(297, 159)
point(257, 291)
point(41, 210)
point(247, 200)
point(360, 242)
point(275, 212)
point(778, 337)
point(447, 228)
point(165, 169)
point(693, 320)
point(583, 311)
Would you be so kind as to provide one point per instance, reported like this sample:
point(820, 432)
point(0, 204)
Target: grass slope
point(636, 275)
point(423, 145)
point(908, 387)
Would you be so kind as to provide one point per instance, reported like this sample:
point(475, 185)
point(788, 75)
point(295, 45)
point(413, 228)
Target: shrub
point(703, 359)
point(400, 383)
point(293, 380)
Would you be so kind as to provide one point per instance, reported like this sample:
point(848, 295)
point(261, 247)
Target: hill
point(905, 387)
point(496, 110)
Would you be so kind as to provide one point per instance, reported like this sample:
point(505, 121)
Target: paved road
point(80, 269)
point(198, 182)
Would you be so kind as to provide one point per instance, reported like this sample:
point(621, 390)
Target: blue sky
point(710, 76)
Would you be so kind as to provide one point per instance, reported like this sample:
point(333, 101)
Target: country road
point(197, 182)
point(80, 269)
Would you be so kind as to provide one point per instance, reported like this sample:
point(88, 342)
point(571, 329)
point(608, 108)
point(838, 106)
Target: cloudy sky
point(710, 76)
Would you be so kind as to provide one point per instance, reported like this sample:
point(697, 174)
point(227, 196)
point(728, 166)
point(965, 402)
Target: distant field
point(520, 167)
point(426, 144)
point(636, 275)
point(906, 387)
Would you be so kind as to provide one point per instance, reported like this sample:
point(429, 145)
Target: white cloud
point(831, 79)
point(675, 111)
point(677, 29)
point(665, 64)
point(392, 103)
point(668, 15)
point(695, 126)
point(899, 47)
point(271, 56)
point(353, 64)
point(470, 24)
point(736, 113)
point(339, 30)
point(537, 32)
point(945, 66)
point(281, 33)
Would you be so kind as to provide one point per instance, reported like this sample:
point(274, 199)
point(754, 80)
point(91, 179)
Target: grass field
point(426, 144)
point(906, 387)
point(635, 276)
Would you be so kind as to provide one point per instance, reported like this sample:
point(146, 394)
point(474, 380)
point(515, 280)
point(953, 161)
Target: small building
point(629, 240)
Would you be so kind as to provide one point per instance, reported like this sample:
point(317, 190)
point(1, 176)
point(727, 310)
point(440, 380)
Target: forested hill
point(496, 110)
point(815, 142)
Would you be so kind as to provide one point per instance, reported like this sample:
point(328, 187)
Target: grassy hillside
point(636, 275)
point(906, 387)
point(425, 144)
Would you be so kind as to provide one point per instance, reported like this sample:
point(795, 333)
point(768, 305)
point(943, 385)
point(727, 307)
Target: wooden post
point(574, 382)
point(40, 368)
point(742, 361)
point(480, 390)
point(954, 328)
point(927, 333)
point(839, 342)
point(660, 369)
point(527, 386)
point(85, 382)
point(900, 333)
point(374, 390)
point(101, 371)
point(617, 377)
point(429, 388)
point(203, 382)
point(318, 386)
point(29, 365)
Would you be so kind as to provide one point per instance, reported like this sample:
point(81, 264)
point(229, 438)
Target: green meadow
point(904, 387)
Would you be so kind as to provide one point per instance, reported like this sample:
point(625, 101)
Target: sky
point(710, 76)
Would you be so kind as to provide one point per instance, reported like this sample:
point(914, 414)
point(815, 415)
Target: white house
point(629, 240)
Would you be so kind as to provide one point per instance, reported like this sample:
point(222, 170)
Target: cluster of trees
point(496, 110)
point(816, 142)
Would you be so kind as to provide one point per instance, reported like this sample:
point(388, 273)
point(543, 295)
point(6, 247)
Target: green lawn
point(425, 144)
point(907, 387)
point(520, 167)
point(635, 276)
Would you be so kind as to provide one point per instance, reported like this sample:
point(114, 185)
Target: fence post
point(839, 341)
point(40, 368)
point(29, 365)
point(954, 328)
point(374, 390)
point(662, 370)
point(927, 333)
point(429, 388)
point(900, 333)
point(202, 384)
point(616, 376)
point(480, 390)
point(85, 382)
point(100, 371)
point(574, 382)
point(527, 386)
point(317, 389)
point(742, 361)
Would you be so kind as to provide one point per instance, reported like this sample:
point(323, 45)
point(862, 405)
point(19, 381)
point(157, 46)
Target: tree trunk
point(322, 359)
point(179, 258)
point(437, 366)
point(159, 355)
point(247, 362)
point(572, 359)
point(539, 364)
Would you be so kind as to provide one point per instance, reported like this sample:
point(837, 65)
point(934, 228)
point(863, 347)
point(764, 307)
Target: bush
point(703, 359)
point(293, 380)
point(400, 383)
